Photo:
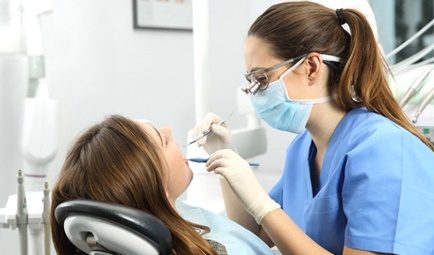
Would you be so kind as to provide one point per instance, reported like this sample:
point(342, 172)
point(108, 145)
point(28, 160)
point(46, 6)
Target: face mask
point(280, 112)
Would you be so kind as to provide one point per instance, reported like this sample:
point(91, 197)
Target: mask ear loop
point(292, 68)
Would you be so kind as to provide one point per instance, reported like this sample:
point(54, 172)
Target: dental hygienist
point(359, 178)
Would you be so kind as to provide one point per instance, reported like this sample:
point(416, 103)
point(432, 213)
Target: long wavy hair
point(296, 28)
point(117, 161)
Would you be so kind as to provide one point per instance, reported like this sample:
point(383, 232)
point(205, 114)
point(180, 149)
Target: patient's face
point(180, 174)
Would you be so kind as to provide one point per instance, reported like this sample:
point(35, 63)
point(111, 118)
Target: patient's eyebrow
point(159, 135)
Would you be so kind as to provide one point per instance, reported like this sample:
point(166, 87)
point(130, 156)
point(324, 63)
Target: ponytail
point(363, 80)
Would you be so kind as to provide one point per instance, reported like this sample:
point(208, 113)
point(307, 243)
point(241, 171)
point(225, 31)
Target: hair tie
point(340, 13)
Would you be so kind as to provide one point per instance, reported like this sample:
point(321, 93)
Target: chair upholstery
point(105, 228)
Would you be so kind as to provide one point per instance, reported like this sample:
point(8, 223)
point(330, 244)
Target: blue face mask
point(280, 112)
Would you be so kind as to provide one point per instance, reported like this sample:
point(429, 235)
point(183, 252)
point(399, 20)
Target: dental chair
point(100, 228)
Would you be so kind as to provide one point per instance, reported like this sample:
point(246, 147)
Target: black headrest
point(144, 224)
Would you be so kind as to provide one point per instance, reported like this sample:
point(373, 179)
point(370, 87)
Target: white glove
point(219, 138)
point(243, 182)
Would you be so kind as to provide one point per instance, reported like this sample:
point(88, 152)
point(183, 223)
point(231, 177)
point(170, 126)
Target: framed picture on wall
point(163, 14)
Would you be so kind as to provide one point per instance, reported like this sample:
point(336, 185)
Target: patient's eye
point(167, 139)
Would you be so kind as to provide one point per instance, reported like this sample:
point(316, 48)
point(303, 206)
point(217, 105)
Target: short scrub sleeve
point(387, 195)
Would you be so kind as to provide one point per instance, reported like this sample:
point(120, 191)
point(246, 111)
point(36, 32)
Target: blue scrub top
point(375, 191)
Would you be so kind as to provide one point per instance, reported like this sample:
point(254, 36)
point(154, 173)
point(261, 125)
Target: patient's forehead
point(149, 129)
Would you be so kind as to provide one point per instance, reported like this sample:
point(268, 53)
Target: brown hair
point(116, 161)
point(296, 28)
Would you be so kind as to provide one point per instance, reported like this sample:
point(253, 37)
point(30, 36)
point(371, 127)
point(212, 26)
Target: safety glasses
point(258, 79)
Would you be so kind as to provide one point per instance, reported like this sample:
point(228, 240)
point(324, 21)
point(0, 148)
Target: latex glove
point(243, 182)
point(219, 138)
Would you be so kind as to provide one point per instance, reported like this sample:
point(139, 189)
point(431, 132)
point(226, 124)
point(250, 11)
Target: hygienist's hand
point(243, 182)
point(219, 138)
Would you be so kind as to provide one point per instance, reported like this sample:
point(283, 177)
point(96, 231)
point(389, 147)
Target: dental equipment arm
point(426, 101)
point(33, 10)
point(401, 66)
point(41, 114)
point(46, 219)
point(414, 88)
point(419, 64)
point(22, 215)
point(29, 212)
point(410, 40)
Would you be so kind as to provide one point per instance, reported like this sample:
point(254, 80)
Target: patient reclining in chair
point(132, 163)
